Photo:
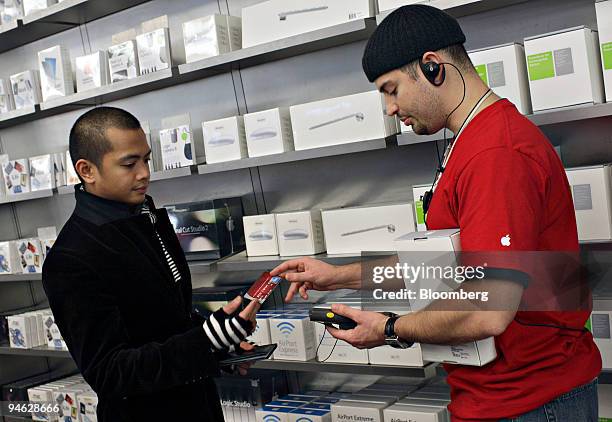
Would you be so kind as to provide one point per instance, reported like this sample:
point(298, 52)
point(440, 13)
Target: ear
point(87, 170)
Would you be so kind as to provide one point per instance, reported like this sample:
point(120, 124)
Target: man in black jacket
point(120, 288)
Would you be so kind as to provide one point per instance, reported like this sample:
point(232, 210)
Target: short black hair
point(88, 135)
point(456, 53)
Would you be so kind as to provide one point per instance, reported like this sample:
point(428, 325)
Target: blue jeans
point(579, 405)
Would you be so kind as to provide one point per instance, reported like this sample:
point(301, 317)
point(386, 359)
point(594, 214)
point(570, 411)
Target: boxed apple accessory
point(564, 68)
point(210, 36)
point(441, 247)
point(331, 350)
point(591, 192)
point(31, 6)
point(41, 396)
point(92, 71)
point(59, 169)
point(88, 406)
point(309, 415)
point(123, 60)
point(154, 46)
point(504, 70)
point(176, 146)
point(387, 355)
point(42, 174)
point(601, 327)
point(261, 335)
point(273, 414)
point(30, 254)
point(6, 96)
point(9, 258)
point(53, 334)
point(300, 233)
point(353, 118)
point(367, 228)
point(55, 73)
point(16, 176)
point(71, 175)
point(295, 337)
point(415, 414)
point(268, 132)
point(277, 19)
point(604, 26)
point(224, 139)
point(358, 411)
point(26, 89)
point(260, 235)
point(417, 193)
point(47, 237)
point(12, 10)
point(20, 332)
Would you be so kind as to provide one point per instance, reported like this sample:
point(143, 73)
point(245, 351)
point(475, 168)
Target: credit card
point(263, 287)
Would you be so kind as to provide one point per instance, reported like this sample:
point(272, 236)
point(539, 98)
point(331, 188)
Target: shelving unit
point(42, 351)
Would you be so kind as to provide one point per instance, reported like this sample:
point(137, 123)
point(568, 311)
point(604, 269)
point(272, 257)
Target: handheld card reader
point(329, 318)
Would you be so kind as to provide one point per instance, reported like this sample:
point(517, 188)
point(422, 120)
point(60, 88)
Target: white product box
point(273, 414)
point(419, 213)
point(71, 175)
point(445, 243)
point(504, 70)
point(371, 228)
point(309, 415)
point(46, 245)
point(300, 233)
point(439, 404)
point(176, 148)
point(295, 337)
point(224, 139)
point(123, 61)
point(30, 254)
point(564, 69)
point(592, 197)
point(55, 73)
point(42, 174)
point(59, 169)
point(331, 350)
point(276, 19)
point(601, 327)
point(43, 396)
point(405, 413)
point(17, 176)
point(40, 319)
point(260, 235)
point(209, 36)
point(261, 335)
point(13, 10)
point(54, 336)
point(358, 411)
point(268, 132)
point(353, 118)
point(67, 400)
point(387, 355)
point(26, 89)
point(154, 51)
point(20, 331)
point(88, 405)
point(604, 26)
point(6, 96)
point(31, 6)
point(9, 258)
point(604, 392)
point(92, 71)
point(381, 398)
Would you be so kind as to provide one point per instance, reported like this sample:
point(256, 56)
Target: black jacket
point(127, 324)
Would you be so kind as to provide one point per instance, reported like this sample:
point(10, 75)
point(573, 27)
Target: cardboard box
point(353, 118)
point(504, 70)
point(273, 414)
point(209, 36)
point(277, 19)
point(31, 6)
point(260, 235)
point(564, 68)
point(309, 415)
point(295, 337)
point(440, 247)
point(26, 89)
point(30, 255)
point(55, 73)
point(604, 26)
point(6, 96)
point(42, 174)
point(92, 71)
point(592, 197)
point(224, 139)
point(358, 411)
point(405, 413)
point(331, 350)
point(300, 233)
point(176, 148)
point(268, 132)
point(16, 176)
point(419, 213)
point(600, 324)
point(367, 228)
point(123, 61)
point(261, 335)
point(154, 51)
point(71, 175)
point(604, 392)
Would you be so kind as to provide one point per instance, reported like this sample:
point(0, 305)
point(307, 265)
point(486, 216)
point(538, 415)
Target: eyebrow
point(134, 156)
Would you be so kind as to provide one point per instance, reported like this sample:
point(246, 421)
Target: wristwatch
point(391, 339)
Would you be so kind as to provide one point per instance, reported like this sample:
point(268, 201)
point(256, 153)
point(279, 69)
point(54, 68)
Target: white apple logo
point(505, 241)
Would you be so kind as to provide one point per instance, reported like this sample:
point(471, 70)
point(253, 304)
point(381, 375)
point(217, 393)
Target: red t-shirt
point(505, 178)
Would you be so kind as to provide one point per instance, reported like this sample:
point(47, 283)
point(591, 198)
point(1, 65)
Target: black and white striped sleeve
point(225, 332)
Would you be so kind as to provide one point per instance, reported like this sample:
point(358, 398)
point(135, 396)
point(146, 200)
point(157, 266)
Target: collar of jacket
point(101, 211)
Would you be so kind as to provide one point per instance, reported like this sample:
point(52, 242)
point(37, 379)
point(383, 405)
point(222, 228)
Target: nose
point(391, 107)
point(144, 173)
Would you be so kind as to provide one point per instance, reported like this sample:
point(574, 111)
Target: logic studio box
point(368, 228)
point(564, 69)
point(55, 73)
point(123, 61)
point(210, 36)
point(295, 337)
point(16, 176)
point(358, 411)
point(604, 26)
point(601, 327)
point(405, 413)
point(353, 118)
point(300, 233)
point(92, 71)
point(26, 89)
point(260, 235)
point(224, 139)
point(268, 132)
point(591, 192)
point(504, 70)
point(277, 19)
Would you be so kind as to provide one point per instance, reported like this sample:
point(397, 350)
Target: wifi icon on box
point(285, 328)
point(271, 418)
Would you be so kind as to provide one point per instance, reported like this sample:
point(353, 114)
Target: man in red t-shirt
point(504, 187)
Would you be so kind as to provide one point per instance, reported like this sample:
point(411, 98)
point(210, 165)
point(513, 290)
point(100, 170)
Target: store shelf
point(171, 174)
point(571, 114)
point(59, 17)
point(65, 190)
point(16, 117)
point(292, 156)
point(9, 199)
point(348, 368)
point(9, 278)
point(202, 267)
point(42, 351)
point(9, 27)
point(412, 138)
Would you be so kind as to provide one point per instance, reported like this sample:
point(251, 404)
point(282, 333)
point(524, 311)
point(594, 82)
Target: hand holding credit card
point(263, 287)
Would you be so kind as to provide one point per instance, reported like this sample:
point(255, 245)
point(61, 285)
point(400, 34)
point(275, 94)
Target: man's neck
point(475, 92)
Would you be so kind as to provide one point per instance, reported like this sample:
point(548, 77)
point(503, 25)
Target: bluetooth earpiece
point(431, 70)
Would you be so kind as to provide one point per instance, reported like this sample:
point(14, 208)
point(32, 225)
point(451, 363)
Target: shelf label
point(541, 66)
point(606, 54)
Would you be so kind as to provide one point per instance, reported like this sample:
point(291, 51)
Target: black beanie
point(405, 35)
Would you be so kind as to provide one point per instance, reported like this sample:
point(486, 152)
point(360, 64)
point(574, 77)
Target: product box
point(20, 332)
point(604, 26)
point(210, 36)
point(273, 414)
point(368, 228)
point(445, 244)
point(384, 5)
point(71, 175)
point(88, 406)
point(268, 132)
point(592, 197)
point(358, 411)
point(419, 213)
point(260, 235)
point(30, 254)
point(176, 147)
point(504, 70)
point(224, 139)
point(92, 71)
point(13, 10)
point(26, 89)
point(405, 413)
point(600, 325)
point(300, 233)
point(42, 173)
point(387, 355)
point(123, 61)
point(16, 176)
point(564, 68)
point(276, 19)
point(59, 169)
point(154, 51)
point(353, 118)
point(330, 349)
point(9, 258)
point(55, 73)
point(6, 96)
point(309, 415)
point(261, 335)
point(295, 337)
point(67, 400)
point(31, 6)
point(604, 392)
point(53, 334)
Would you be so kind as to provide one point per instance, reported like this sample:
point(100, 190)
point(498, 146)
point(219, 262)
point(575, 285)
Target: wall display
point(42, 175)
point(16, 175)
point(123, 61)
point(268, 132)
point(224, 139)
point(92, 71)
point(55, 73)
point(604, 26)
point(26, 89)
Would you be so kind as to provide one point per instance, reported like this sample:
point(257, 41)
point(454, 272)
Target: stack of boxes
point(75, 399)
point(26, 256)
point(34, 329)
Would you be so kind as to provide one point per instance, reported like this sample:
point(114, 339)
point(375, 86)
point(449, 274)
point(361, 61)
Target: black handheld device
point(329, 318)
point(241, 356)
